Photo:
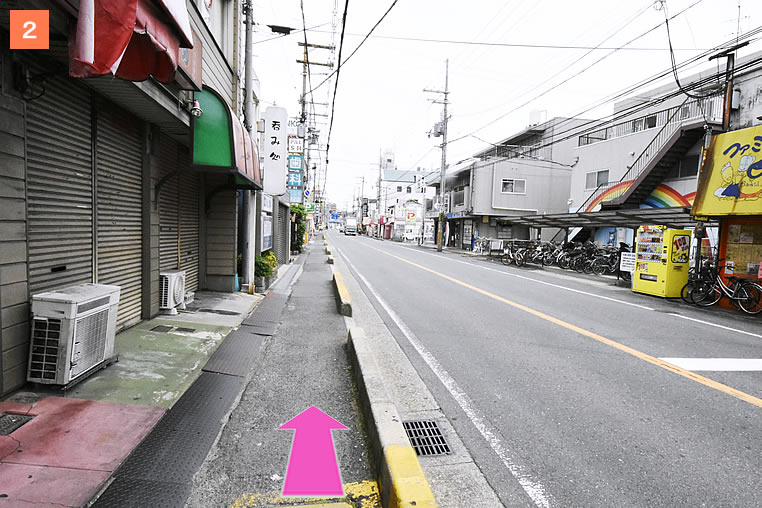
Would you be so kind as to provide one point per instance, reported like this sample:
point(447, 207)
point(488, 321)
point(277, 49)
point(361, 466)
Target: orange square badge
point(30, 29)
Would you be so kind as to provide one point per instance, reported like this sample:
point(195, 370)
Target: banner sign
point(730, 182)
point(267, 232)
point(295, 144)
point(295, 162)
point(294, 179)
point(274, 151)
point(296, 196)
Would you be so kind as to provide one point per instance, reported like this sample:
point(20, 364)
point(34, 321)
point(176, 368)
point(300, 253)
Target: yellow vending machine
point(662, 264)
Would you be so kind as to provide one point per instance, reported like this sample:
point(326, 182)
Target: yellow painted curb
point(343, 302)
point(409, 486)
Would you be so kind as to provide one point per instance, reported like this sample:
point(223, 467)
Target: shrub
point(261, 267)
point(271, 259)
point(301, 226)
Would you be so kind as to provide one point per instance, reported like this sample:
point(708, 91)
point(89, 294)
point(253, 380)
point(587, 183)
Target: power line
point(341, 64)
point(570, 78)
point(336, 83)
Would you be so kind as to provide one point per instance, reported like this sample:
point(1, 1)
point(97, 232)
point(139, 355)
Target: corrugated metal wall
point(14, 306)
point(282, 233)
point(119, 195)
point(190, 188)
point(60, 187)
point(168, 204)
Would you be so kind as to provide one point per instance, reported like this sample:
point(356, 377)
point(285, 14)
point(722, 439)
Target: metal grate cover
point(46, 333)
point(162, 328)
point(426, 438)
point(11, 421)
point(185, 330)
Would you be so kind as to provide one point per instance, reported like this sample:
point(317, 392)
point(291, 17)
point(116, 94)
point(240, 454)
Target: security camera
point(196, 110)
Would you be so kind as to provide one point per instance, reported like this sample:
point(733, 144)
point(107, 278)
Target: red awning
point(131, 39)
point(246, 157)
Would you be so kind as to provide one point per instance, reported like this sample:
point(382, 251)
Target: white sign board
point(627, 261)
point(295, 144)
point(267, 203)
point(275, 151)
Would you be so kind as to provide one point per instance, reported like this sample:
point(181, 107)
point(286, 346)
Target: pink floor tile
point(27, 485)
point(82, 434)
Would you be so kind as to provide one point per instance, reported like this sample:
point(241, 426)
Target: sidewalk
point(72, 442)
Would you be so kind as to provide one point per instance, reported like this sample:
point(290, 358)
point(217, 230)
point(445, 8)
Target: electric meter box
point(662, 263)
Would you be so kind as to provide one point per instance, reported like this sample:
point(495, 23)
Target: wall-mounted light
point(192, 106)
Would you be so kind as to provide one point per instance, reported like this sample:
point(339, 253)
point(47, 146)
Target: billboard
point(730, 182)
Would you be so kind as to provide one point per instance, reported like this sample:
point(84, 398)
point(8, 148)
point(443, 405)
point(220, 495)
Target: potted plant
point(262, 270)
point(271, 260)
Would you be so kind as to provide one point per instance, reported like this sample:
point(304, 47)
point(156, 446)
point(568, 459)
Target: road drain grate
point(185, 330)
point(11, 421)
point(162, 328)
point(426, 438)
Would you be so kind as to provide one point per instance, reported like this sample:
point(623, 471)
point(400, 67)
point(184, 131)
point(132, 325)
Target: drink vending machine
point(662, 264)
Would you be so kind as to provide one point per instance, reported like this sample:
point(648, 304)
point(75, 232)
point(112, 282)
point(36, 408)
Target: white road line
point(536, 280)
point(534, 489)
point(709, 323)
point(717, 364)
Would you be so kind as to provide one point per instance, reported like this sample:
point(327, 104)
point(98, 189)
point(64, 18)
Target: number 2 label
point(29, 29)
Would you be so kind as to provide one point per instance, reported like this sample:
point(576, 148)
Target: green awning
point(221, 144)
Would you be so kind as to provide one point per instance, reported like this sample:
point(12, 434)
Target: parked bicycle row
point(707, 287)
point(584, 257)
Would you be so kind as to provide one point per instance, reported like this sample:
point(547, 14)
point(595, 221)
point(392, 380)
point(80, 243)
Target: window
point(650, 122)
point(399, 188)
point(595, 178)
point(409, 190)
point(513, 186)
point(685, 167)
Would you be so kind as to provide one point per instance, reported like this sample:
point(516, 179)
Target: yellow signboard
point(731, 177)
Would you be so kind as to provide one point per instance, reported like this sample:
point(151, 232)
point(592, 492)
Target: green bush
point(271, 259)
point(261, 267)
point(301, 226)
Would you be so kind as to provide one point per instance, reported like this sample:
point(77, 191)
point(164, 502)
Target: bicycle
point(745, 294)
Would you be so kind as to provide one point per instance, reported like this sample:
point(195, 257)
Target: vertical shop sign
point(275, 151)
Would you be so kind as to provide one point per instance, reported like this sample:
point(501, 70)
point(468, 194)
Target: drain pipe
point(251, 198)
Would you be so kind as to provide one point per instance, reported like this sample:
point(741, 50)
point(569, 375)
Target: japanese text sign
point(274, 150)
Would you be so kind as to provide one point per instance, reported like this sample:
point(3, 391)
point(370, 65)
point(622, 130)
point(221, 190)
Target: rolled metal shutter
point(168, 204)
point(59, 186)
point(284, 224)
point(190, 185)
point(119, 212)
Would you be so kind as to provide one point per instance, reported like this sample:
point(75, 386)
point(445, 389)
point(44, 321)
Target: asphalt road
point(556, 382)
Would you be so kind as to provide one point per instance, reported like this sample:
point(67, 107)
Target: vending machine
point(662, 264)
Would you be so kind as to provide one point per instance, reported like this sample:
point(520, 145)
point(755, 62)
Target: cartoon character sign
point(738, 184)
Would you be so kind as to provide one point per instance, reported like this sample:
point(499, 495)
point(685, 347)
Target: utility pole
point(443, 132)
point(378, 198)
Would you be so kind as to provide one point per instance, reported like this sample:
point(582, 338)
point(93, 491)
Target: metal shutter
point(189, 221)
point(284, 226)
point(59, 172)
point(168, 204)
point(119, 212)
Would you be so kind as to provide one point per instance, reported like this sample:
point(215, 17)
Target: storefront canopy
point(674, 217)
point(131, 39)
point(222, 145)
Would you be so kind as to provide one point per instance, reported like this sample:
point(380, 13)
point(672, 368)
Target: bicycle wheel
point(599, 266)
point(750, 298)
point(506, 259)
point(706, 294)
point(520, 258)
point(578, 264)
point(563, 261)
point(687, 292)
point(626, 276)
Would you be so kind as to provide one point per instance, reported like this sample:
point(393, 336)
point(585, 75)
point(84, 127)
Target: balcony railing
point(675, 117)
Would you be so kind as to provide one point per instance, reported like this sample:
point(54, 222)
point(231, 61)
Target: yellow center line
point(600, 338)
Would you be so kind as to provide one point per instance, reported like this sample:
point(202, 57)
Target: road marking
point(534, 489)
point(708, 323)
point(565, 288)
point(718, 364)
point(600, 338)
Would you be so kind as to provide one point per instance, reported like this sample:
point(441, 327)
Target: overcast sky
point(380, 102)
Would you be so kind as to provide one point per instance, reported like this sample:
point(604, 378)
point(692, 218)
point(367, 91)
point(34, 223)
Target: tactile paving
point(238, 352)
point(161, 468)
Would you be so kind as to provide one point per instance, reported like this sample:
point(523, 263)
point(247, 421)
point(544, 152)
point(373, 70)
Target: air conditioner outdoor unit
point(172, 290)
point(72, 332)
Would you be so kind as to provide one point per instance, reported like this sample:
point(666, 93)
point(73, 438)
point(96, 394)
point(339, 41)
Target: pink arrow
point(313, 470)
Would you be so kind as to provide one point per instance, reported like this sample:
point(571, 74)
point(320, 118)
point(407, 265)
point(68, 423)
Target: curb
point(330, 260)
point(401, 478)
point(343, 303)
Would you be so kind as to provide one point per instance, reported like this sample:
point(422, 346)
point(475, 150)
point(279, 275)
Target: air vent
point(46, 334)
point(89, 342)
point(426, 438)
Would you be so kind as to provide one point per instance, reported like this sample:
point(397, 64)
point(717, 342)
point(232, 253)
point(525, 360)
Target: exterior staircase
point(683, 128)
